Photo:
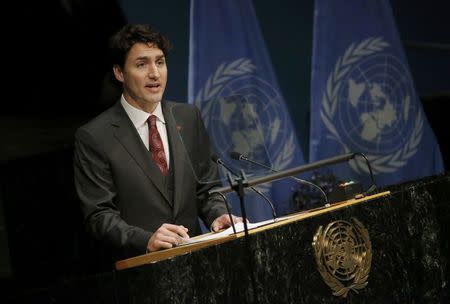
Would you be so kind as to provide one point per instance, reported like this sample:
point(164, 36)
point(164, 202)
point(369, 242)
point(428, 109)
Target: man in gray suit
point(139, 164)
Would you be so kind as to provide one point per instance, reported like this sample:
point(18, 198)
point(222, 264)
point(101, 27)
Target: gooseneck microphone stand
point(238, 184)
point(238, 156)
point(291, 171)
point(220, 162)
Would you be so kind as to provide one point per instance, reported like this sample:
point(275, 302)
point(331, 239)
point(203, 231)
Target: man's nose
point(153, 71)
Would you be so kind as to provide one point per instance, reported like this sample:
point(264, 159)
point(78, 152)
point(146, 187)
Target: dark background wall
point(57, 79)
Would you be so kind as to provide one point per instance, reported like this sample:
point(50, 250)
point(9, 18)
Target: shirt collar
point(139, 117)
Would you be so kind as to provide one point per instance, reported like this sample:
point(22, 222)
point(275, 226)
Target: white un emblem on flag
point(242, 113)
point(367, 107)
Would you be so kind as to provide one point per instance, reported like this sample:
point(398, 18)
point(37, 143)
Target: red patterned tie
point(156, 146)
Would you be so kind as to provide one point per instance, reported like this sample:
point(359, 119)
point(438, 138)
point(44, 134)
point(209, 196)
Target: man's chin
point(154, 100)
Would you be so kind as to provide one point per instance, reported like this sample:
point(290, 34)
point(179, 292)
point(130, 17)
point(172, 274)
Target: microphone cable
point(228, 210)
point(373, 187)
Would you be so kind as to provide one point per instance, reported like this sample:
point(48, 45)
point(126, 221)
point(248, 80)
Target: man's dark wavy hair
point(122, 41)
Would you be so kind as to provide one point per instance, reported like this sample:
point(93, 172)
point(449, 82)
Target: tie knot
point(152, 120)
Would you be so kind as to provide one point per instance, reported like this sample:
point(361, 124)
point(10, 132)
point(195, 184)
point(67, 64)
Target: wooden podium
point(384, 248)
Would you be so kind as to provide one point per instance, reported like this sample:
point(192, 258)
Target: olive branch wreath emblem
point(321, 241)
point(226, 72)
point(380, 163)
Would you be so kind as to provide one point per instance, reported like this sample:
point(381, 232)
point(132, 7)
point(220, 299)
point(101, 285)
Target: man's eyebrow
point(157, 57)
point(141, 58)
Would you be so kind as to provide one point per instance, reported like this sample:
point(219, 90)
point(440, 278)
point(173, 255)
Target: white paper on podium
point(238, 226)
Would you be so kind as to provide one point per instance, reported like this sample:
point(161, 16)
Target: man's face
point(144, 76)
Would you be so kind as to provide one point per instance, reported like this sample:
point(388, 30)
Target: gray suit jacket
point(122, 192)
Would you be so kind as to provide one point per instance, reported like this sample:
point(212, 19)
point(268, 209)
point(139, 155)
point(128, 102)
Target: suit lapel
point(178, 154)
point(127, 135)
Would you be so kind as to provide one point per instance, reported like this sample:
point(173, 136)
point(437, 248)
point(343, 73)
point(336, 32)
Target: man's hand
point(223, 222)
point(167, 236)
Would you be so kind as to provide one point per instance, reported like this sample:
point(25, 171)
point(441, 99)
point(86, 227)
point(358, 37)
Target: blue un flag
point(232, 81)
point(363, 97)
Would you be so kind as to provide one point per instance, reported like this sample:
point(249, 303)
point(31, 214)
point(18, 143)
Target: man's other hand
point(223, 222)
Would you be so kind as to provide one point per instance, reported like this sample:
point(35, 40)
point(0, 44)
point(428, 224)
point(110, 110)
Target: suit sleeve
point(209, 207)
point(96, 191)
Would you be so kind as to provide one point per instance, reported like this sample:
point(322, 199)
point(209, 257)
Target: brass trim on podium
point(184, 249)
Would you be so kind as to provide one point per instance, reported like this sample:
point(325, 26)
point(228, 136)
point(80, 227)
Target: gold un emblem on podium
point(343, 255)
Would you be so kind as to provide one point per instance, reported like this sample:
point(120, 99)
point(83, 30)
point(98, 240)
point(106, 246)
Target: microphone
point(238, 156)
point(217, 160)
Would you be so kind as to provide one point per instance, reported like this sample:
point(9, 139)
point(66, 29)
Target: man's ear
point(118, 72)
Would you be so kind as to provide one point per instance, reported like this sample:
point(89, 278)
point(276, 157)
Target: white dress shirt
point(139, 119)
